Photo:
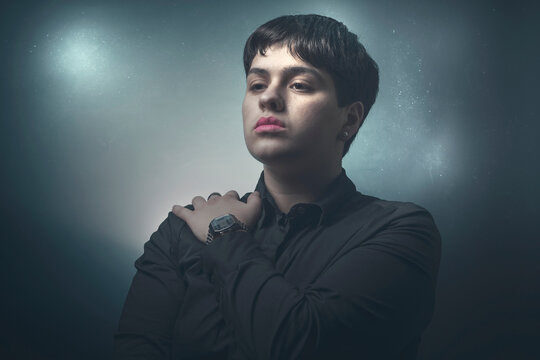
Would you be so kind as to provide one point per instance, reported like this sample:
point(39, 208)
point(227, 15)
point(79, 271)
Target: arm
point(373, 300)
point(158, 290)
point(154, 297)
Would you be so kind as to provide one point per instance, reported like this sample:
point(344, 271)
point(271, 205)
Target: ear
point(355, 117)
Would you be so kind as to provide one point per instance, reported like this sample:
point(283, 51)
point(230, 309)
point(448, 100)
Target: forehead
point(278, 58)
point(276, 55)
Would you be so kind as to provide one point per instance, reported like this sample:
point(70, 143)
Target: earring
point(345, 135)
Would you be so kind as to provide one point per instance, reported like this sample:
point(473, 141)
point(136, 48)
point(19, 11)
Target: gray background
point(114, 111)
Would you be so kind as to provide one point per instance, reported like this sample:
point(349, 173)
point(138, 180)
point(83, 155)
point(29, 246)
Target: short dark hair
point(326, 44)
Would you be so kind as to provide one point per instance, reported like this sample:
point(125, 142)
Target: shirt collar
point(334, 196)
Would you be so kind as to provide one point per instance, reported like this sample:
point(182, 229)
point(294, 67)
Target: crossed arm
point(372, 301)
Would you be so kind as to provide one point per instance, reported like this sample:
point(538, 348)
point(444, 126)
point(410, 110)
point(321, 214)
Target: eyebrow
point(288, 72)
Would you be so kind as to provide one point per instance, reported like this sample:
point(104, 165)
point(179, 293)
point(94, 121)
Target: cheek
point(317, 114)
point(245, 112)
point(247, 108)
point(246, 118)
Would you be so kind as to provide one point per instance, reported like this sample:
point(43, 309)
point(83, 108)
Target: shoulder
point(169, 242)
point(172, 225)
point(168, 232)
point(404, 229)
point(386, 212)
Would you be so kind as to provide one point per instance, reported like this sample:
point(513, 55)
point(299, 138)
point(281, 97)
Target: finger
point(182, 212)
point(254, 199)
point(212, 195)
point(233, 194)
point(198, 201)
point(254, 207)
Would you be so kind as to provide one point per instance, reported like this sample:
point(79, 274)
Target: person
point(304, 267)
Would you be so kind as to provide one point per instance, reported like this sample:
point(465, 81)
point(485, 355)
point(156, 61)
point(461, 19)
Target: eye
point(301, 86)
point(256, 86)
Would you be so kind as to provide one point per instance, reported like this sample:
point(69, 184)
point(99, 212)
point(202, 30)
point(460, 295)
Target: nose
point(271, 99)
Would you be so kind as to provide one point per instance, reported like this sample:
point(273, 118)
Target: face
point(290, 111)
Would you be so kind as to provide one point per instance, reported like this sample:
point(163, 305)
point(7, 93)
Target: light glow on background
point(152, 113)
point(84, 54)
point(114, 111)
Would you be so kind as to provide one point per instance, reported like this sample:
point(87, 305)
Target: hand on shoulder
point(216, 205)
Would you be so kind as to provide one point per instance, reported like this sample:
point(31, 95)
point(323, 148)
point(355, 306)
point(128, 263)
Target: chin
point(272, 155)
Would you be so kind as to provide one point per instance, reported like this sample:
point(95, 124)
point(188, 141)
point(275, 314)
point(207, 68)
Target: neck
point(292, 187)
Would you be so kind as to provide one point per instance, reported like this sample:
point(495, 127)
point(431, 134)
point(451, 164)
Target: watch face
point(222, 223)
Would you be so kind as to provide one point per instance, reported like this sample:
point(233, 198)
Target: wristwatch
point(222, 225)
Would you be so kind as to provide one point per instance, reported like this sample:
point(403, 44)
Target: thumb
point(254, 201)
point(254, 204)
point(254, 198)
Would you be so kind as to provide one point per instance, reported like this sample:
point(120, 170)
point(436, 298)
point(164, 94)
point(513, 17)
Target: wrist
point(222, 225)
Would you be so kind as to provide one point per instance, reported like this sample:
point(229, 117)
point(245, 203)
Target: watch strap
point(213, 235)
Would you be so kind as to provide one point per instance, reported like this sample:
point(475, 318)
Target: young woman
point(305, 266)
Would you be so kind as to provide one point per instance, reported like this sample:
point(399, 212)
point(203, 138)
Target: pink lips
point(269, 124)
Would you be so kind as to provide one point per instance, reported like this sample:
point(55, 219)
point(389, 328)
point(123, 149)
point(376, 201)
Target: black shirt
point(349, 276)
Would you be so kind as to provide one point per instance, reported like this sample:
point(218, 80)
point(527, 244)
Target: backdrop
point(114, 111)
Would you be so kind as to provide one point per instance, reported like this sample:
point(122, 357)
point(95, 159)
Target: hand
point(205, 211)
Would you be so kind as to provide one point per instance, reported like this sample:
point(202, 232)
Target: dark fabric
point(347, 277)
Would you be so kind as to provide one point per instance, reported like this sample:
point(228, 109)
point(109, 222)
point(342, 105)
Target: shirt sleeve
point(155, 295)
point(372, 302)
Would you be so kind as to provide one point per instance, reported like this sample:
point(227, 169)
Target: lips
point(269, 122)
point(269, 125)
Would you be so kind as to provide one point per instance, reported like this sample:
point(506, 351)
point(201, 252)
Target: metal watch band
point(211, 237)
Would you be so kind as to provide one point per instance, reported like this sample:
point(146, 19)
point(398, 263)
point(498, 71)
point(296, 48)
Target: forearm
point(364, 313)
point(156, 293)
point(250, 291)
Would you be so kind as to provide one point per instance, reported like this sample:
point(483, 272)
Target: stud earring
point(345, 135)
